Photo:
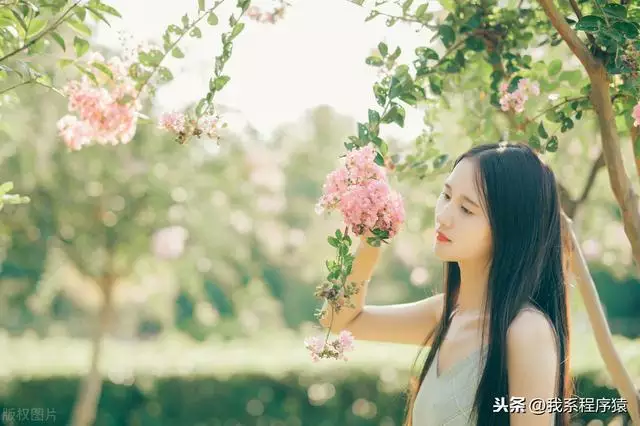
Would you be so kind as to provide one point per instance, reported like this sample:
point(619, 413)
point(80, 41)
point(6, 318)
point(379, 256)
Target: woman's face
point(460, 217)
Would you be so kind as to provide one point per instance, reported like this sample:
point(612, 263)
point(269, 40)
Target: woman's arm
point(407, 323)
point(532, 362)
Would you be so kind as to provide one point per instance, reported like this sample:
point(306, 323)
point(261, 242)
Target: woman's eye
point(467, 211)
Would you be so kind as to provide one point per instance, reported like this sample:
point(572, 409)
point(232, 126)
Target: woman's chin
point(442, 253)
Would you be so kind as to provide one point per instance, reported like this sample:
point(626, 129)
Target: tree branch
point(576, 9)
point(569, 205)
point(570, 37)
point(42, 34)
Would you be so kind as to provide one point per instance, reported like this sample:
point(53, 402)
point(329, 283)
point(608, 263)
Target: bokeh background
point(213, 251)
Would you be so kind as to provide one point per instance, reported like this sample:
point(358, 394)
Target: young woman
point(499, 333)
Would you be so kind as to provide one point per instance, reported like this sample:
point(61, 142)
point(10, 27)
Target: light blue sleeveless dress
point(446, 399)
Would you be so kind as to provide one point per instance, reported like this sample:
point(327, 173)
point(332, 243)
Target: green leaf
point(363, 133)
point(542, 131)
point(552, 145)
point(421, 10)
point(237, 29)
point(374, 118)
point(383, 49)
point(427, 53)
point(212, 19)
point(396, 114)
point(440, 161)
point(79, 27)
point(177, 53)
point(200, 5)
point(104, 69)
point(333, 241)
point(372, 15)
point(374, 61)
point(86, 72)
point(435, 84)
point(380, 93)
point(165, 74)
point(81, 13)
point(447, 35)
point(98, 15)
point(195, 32)
point(185, 21)
point(396, 53)
point(475, 43)
point(395, 88)
point(18, 17)
point(62, 63)
point(58, 39)
point(36, 26)
point(615, 10)
point(554, 67)
point(627, 29)
point(106, 9)
point(151, 58)
point(80, 45)
point(590, 23)
point(200, 109)
point(221, 81)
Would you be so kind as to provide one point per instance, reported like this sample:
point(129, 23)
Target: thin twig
point(42, 34)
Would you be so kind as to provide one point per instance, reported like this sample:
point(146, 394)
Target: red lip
point(441, 237)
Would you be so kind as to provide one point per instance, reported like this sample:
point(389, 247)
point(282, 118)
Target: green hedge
point(248, 400)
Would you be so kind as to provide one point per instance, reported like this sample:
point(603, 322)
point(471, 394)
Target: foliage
point(356, 398)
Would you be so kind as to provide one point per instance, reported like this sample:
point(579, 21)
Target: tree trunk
point(598, 321)
point(84, 411)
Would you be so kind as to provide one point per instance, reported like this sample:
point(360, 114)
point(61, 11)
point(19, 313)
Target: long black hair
point(528, 266)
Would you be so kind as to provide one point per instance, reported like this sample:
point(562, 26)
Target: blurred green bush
point(357, 399)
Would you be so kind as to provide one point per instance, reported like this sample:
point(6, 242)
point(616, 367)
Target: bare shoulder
point(530, 330)
point(532, 363)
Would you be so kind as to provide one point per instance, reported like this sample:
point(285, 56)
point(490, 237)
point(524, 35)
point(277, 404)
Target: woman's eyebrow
point(463, 196)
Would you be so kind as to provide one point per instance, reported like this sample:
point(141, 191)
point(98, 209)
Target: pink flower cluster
point(515, 101)
point(257, 14)
point(106, 112)
point(336, 349)
point(185, 126)
point(361, 192)
point(636, 115)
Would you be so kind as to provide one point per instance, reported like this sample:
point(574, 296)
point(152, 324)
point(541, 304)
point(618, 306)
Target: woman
point(499, 333)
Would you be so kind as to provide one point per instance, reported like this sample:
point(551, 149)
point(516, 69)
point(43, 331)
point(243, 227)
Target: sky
point(315, 56)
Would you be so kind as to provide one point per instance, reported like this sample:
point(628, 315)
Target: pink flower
point(256, 14)
point(335, 349)
point(636, 115)
point(172, 122)
point(516, 101)
point(361, 192)
point(185, 127)
point(106, 111)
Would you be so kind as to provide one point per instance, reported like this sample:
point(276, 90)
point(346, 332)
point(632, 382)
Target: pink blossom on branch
point(104, 111)
point(268, 14)
point(184, 126)
point(515, 101)
point(335, 349)
point(360, 191)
